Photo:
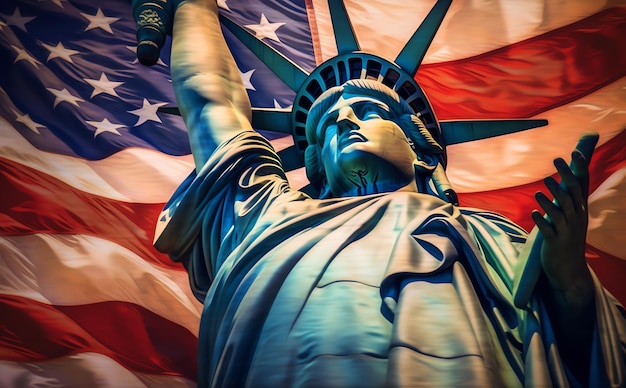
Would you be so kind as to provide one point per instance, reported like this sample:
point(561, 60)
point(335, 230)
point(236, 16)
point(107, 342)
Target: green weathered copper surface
point(344, 33)
point(411, 56)
point(462, 131)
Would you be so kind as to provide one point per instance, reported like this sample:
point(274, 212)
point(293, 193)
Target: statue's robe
point(397, 289)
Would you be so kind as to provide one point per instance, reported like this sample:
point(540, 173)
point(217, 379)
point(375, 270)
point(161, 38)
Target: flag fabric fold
point(87, 160)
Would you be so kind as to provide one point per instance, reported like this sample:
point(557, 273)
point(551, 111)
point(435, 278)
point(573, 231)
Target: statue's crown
point(359, 65)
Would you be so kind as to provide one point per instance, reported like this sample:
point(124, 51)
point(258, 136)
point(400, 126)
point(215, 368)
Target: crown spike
point(275, 120)
point(411, 56)
point(290, 158)
point(344, 34)
point(455, 132)
point(289, 72)
point(170, 110)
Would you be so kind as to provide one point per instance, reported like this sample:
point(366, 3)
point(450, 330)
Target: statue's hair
point(423, 141)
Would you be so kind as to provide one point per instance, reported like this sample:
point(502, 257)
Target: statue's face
point(363, 150)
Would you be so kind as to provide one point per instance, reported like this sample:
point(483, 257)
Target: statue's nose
point(347, 120)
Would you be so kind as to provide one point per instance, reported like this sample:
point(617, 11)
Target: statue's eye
point(372, 115)
point(369, 112)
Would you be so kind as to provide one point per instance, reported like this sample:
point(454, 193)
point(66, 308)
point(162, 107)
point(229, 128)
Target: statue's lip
point(352, 137)
point(356, 135)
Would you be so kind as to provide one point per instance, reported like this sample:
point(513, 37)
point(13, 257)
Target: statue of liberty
point(375, 276)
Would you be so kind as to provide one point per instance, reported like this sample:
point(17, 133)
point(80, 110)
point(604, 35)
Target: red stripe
point(517, 202)
point(131, 335)
point(34, 202)
point(315, 36)
point(610, 270)
point(530, 77)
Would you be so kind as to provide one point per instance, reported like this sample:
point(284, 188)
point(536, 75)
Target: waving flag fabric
point(87, 161)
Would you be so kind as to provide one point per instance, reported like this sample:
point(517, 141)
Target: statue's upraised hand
point(564, 226)
point(154, 22)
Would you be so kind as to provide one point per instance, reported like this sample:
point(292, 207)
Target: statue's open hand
point(564, 226)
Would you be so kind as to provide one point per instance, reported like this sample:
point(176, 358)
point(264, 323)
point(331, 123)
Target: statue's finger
point(573, 187)
point(587, 143)
point(580, 164)
point(580, 169)
point(544, 226)
point(566, 197)
point(554, 214)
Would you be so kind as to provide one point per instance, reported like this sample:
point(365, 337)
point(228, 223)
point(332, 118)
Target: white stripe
point(469, 28)
point(81, 370)
point(79, 269)
point(131, 175)
point(526, 157)
point(607, 212)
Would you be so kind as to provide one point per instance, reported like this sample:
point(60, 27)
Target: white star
point(26, 120)
point(105, 126)
point(18, 20)
point(23, 55)
point(134, 50)
point(64, 96)
point(222, 4)
point(103, 85)
point(59, 51)
point(245, 77)
point(265, 29)
point(277, 105)
point(147, 112)
point(99, 21)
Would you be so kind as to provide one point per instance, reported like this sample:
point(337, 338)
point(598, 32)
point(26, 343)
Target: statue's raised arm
point(209, 90)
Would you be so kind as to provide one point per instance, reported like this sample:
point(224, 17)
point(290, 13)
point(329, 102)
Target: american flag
point(88, 161)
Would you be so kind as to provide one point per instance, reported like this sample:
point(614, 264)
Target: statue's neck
point(378, 187)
